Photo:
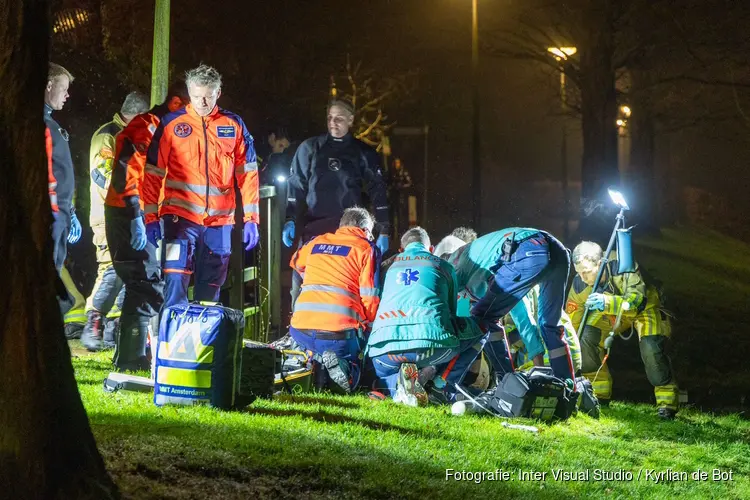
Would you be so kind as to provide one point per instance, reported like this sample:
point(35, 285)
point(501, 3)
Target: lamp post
point(476, 178)
point(561, 54)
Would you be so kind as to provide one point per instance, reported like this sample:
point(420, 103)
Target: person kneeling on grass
point(415, 328)
point(338, 297)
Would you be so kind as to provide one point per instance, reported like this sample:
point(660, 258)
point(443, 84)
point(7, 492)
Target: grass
point(323, 446)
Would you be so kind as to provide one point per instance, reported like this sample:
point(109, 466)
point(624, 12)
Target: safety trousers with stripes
point(653, 347)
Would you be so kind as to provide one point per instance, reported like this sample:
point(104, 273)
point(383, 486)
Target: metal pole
point(160, 57)
point(605, 259)
point(564, 158)
point(426, 176)
point(476, 179)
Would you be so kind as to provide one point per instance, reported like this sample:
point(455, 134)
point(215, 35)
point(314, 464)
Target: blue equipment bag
point(625, 261)
point(198, 356)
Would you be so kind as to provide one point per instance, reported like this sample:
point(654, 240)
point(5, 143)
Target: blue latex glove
point(75, 229)
point(287, 234)
point(250, 235)
point(138, 234)
point(596, 302)
point(382, 243)
point(153, 232)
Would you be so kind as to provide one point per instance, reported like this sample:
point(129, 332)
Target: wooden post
point(160, 57)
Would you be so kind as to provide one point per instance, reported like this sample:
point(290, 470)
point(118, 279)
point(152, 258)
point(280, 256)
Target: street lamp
point(476, 178)
point(561, 54)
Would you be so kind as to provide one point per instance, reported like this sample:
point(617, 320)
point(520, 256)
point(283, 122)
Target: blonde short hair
point(587, 252)
point(56, 70)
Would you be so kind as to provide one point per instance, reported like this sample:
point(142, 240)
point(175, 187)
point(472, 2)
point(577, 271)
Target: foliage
point(371, 94)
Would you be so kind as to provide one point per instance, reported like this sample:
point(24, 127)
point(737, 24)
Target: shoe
point(408, 389)
point(666, 413)
point(73, 331)
point(283, 344)
point(335, 373)
point(91, 338)
point(376, 396)
point(111, 329)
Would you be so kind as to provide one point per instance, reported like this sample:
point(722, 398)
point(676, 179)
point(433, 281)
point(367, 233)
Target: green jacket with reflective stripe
point(417, 304)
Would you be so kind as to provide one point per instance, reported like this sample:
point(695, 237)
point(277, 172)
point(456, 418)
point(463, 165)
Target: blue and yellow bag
point(198, 356)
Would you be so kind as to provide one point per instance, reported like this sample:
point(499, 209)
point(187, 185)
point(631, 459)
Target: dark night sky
point(276, 58)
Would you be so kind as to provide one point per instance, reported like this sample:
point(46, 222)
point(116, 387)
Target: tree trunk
point(47, 449)
point(599, 114)
point(642, 133)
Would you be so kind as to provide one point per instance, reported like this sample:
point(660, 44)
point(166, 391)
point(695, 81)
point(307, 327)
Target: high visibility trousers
point(77, 313)
point(108, 292)
point(655, 361)
point(543, 260)
point(191, 248)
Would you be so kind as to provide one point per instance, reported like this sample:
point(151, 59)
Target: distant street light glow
point(562, 52)
point(625, 111)
point(280, 178)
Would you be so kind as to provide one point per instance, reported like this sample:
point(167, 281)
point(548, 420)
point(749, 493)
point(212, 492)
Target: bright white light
point(618, 199)
point(280, 178)
point(620, 123)
point(626, 111)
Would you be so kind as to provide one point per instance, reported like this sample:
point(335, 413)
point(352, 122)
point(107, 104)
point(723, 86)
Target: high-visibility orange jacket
point(51, 181)
point(200, 157)
point(340, 280)
point(132, 185)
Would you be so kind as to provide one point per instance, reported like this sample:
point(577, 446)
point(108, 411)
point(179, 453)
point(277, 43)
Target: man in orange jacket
point(132, 230)
point(201, 151)
point(339, 296)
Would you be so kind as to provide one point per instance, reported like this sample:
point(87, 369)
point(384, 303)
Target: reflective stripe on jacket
point(51, 181)
point(417, 304)
point(101, 159)
point(642, 297)
point(200, 159)
point(339, 287)
point(132, 184)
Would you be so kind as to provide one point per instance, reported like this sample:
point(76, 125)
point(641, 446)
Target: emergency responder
point(524, 339)
point(415, 329)
point(328, 175)
point(201, 151)
point(644, 315)
point(132, 197)
point(338, 298)
point(66, 228)
point(108, 290)
point(500, 268)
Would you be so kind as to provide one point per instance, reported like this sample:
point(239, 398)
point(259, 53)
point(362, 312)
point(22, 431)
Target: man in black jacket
point(328, 175)
point(65, 228)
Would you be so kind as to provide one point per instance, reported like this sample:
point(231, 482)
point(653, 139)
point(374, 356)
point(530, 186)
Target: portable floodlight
point(618, 199)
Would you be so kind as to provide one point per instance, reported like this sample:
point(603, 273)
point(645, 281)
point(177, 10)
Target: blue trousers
point(388, 365)
point(346, 349)
point(191, 248)
point(541, 260)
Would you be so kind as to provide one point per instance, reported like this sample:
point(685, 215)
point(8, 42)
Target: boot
point(91, 338)
point(130, 353)
point(111, 329)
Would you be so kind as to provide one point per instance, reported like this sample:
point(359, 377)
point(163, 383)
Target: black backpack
point(536, 393)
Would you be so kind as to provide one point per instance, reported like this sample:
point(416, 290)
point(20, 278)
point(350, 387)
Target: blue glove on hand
point(287, 234)
point(138, 234)
point(75, 229)
point(250, 235)
point(153, 232)
point(382, 243)
point(596, 302)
